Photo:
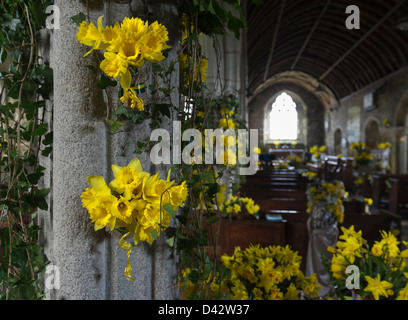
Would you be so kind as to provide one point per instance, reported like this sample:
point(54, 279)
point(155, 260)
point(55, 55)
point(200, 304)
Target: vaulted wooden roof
point(310, 37)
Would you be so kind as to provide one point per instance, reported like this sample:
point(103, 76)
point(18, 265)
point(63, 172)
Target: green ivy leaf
point(170, 210)
point(153, 234)
point(107, 82)
point(115, 125)
point(170, 241)
point(79, 18)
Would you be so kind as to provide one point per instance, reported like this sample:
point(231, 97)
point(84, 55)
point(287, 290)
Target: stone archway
point(372, 134)
point(301, 117)
point(310, 109)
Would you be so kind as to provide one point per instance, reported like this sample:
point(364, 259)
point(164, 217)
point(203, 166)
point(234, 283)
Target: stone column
point(90, 262)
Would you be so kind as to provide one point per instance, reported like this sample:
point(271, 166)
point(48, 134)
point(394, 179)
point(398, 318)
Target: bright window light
point(283, 119)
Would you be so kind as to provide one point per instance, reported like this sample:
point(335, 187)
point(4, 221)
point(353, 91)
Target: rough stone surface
point(91, 264)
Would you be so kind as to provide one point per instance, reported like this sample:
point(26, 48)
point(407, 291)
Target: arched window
point(283, 119)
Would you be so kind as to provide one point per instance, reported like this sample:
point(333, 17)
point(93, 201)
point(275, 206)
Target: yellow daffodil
point(98, 201)
point(154, 188)
point(135, 101)
point(89, 35)
point(178, 194)
point(377, 287)
point(128, 180)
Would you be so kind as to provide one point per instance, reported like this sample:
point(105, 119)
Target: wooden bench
point(340, 169)
point(379, 190)
point(398, 195)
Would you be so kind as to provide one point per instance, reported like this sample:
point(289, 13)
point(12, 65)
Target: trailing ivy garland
point(25, 84)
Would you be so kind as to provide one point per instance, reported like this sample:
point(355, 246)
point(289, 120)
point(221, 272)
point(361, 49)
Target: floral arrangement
point(281, 165)
point(216, 287)
point(127, 45)
point(240, 206)
point(317, 151)
point(134, 202)
point(330, 195)
point(271, 273)
point(383, 273)
point(294, 161)
point(310, 175)
point(362, 155)
point(384, 145)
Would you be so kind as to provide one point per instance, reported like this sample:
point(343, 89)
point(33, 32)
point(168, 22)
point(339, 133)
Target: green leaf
point(235, 25)
point(79, 18)
point(41, 129)
point(208, 176)
point(115, 125)
point(48, 139)
point(46, 152)
point(170, 241)
point(213, 220)
point(169, 209)
point(153, 234)
point(163, 109)
point(107, 82)
point(42, 192)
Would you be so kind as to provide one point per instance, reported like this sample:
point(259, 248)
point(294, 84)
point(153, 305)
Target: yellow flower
point(154, 188)
point(292, 293)
point(228, 157)
point(178, 195)
point(113, 65)
point(101, 215)
point(403, 294)
point(89, 35)
point(377, 287)
point(128, 180)
point(376, 250)
point(135, 101)
point(98, 201)
point(155, 43)
point(195, 71)
point(227, 124)
point(122, 209)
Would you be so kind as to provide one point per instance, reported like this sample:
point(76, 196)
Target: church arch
point(310, 113)
point(372, 133)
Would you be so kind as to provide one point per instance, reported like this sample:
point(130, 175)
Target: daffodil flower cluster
point(192, 68)
point(383, 269)
point(384, 145)
point(126, 45)
point(330, 195)
point(214, 287)
point(317, 151)
point(362, 155)
point(134, 202)
point(294, 161)
point(271, 273)
point(239, 205)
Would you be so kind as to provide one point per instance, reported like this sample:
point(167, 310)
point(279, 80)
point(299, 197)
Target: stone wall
point(90, 263)
point(354, 122)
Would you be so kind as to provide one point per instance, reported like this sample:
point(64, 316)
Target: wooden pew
point(379, 190)
point(340, 169)
point(398, 195)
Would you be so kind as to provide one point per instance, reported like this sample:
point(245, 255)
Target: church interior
point(90, 209)
point(341, 86)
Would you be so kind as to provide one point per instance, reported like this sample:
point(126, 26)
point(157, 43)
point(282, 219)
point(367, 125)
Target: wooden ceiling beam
point(322, 13)
point(275, 37)
point(362, 39)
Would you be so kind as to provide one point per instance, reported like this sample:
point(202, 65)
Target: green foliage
point(24, 136)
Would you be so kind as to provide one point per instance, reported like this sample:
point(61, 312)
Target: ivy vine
point(25, 83)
